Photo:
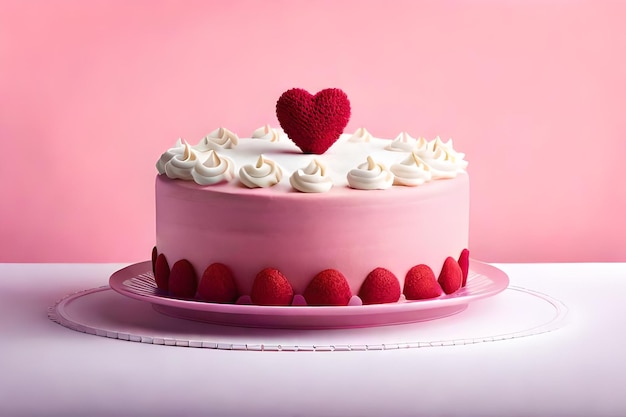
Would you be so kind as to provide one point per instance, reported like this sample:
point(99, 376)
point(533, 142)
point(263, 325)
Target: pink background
point(91, 93)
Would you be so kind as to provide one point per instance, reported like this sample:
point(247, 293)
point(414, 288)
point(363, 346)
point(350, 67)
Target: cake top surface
point(268, 159)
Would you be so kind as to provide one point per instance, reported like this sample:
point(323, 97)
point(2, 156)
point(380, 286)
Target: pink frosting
point(353, 231)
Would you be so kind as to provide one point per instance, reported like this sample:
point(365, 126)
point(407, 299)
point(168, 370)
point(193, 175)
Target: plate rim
point(499, 281)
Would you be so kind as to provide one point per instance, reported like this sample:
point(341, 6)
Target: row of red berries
point(327, 288)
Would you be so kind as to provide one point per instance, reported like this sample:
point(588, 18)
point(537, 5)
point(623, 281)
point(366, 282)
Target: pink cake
point(269, 218)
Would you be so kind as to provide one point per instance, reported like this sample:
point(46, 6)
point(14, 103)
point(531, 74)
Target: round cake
point(307, 215)
point(371, 203)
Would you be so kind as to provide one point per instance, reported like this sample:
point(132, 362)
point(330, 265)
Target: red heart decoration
point(313, 122)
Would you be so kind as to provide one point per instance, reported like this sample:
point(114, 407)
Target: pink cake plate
point(137, 281)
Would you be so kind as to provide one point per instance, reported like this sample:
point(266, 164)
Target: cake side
point(302, 234)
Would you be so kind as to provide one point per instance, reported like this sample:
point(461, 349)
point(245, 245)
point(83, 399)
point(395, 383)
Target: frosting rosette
point(313, 178)
point(267, 133)
point(411, 171)
point(360, 135)
point(265, 173)
point(220, 138)
point(443, 160)
point(370, 175)
point(403, 143)
point(180, 165)
point(213, 170)
point(178, 149)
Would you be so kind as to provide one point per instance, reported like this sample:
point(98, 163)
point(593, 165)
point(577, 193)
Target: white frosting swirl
point(178, 149)
point(360, 135)
point(267, 133)
point(421, 144)
point(370, 175)
point(443, 160)
point(181, 165)
point(213, 170)
point(458, 156)
point(220, 138)
point(411, 172)
point(402, 143)
point(263, 174)
point(311, 179)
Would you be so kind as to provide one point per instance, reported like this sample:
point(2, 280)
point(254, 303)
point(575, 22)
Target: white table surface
point(578, 370)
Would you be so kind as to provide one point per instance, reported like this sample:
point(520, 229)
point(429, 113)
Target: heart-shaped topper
point(313, 122)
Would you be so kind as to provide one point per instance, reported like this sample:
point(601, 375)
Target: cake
point(308, 215)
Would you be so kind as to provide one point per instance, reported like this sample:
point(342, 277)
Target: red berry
point(464, 264)
point(271, 288)
point(451, 276)
point(183, 281)
point(420, 283)
point(161, 272)
point(380, 286)
point(328, 288)
point(217, 284)
point(154, 258)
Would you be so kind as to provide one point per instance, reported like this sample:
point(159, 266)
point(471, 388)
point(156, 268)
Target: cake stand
point(137, 281)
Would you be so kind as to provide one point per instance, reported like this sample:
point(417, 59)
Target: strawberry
point(271, 288)
point(420, 283)
point(154, 258)
point(183, 281)
point(161, 272)
point(380, 286)
point(328, 288)
point(464, 264)
point(451, 276)
point(217, 285)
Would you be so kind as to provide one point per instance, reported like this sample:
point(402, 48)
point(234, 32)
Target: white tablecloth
point(577, 370)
